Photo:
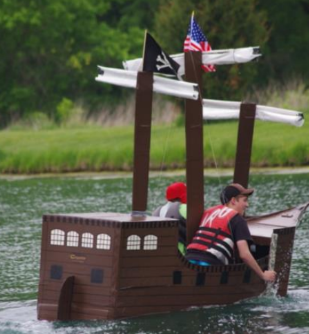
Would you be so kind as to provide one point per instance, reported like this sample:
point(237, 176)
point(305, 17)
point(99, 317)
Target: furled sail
point(214, 57)
point(161, 85)
point(216, 110)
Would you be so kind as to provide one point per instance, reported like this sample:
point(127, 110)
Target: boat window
point(56, 272)
point(72, 239)
point(103, 241)
point(87, 240)
point(57, 237)
point(150, 242)
point(133, 242)
point(177, 277)
point(247, 276)
point(200, 279)
point(97, 276)
point(224, 277)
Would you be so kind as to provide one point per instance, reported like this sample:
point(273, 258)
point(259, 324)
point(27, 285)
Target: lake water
point(24, 201)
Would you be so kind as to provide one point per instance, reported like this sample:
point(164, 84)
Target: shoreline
point(209, 172)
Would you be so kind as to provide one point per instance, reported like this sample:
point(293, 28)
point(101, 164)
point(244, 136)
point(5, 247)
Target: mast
point(194, 147)
point(142, 132)
point(244, 143)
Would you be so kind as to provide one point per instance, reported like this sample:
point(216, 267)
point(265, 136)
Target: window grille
point(150, 242)
point(57, 237)
point(87, 240)
point(72, 239)
point(133, 242)
point(103, 241)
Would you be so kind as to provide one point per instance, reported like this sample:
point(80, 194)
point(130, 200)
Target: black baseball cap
point(233, 190)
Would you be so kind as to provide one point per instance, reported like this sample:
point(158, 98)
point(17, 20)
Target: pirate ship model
point(111, 265)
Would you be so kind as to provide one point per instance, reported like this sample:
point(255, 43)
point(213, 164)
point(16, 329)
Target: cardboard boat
point(112, 265)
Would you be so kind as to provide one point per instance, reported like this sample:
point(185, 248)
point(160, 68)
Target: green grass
point(94, 148)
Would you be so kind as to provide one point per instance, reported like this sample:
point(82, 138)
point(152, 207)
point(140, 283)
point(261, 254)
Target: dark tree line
point(50, 49)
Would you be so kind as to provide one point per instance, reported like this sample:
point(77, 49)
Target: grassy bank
point(94, 148)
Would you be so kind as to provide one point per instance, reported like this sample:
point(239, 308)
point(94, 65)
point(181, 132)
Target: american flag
point(197, 41)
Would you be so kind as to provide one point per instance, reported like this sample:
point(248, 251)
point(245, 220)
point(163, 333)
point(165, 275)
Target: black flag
point(156, 60)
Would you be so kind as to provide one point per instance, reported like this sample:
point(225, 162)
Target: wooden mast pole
point(194, 147)
point(142, 132)
point(244, 143)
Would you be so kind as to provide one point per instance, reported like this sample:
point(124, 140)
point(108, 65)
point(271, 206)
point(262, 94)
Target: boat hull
point(81, 281)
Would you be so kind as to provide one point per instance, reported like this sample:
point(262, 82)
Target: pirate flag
point(156, 60)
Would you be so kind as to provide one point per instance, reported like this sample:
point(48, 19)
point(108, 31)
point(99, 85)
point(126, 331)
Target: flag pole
point(144, 47)
point(191, 26)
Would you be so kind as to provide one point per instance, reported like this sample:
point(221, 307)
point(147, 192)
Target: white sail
point(161, 85)
point(214, 57)
point(219, 110)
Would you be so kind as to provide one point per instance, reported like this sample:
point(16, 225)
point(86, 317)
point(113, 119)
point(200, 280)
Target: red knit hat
point(177, 190)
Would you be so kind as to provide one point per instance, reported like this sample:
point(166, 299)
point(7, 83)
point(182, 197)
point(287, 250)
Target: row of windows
point(103, 241)
point(201, 278)
point(57, 237)
point(134, 242)
point(97, 276)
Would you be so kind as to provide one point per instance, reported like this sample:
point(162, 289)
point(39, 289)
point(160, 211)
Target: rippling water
point(24, 201)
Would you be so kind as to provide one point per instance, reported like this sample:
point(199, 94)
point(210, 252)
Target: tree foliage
point(288, 46)
point(50, 49)
point(227, 24)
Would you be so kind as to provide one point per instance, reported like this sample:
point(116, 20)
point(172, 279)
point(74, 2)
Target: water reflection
point(24, 201)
